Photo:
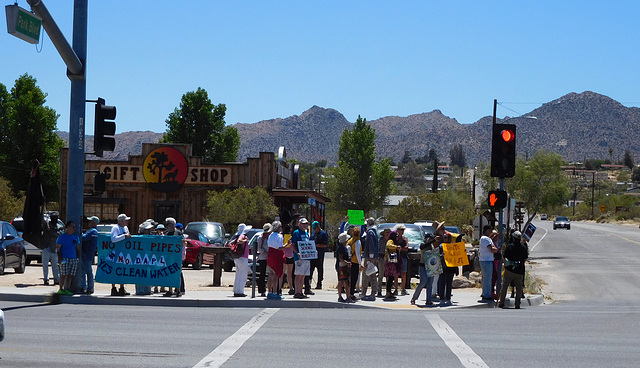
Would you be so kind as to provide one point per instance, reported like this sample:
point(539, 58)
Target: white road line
point(538, 242)
point(465, 354)
point(234, 342)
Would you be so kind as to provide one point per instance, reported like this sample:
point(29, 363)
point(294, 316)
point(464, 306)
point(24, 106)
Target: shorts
point(405, 263)
point(69, 266)
point(288, 260)
point(303, 267)
point(343, 273)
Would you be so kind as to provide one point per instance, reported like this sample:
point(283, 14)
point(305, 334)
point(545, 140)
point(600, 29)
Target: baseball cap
point(122, 216)
point(304, 221)
point(315, 224)
point(94, 218)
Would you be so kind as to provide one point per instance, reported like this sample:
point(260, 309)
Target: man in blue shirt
point(89, 247)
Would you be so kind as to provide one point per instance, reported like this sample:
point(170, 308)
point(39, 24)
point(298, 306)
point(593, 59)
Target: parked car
point(427, 227)
point(204, 234)
point(104, 228)
point(34, 254)
point(452, 229)
point(12, 252)
point(562, 222)
point(544, 217)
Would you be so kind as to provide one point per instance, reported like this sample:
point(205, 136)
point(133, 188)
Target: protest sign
point(307, 249)
point(455, 254)
point(356, 217)
point(432, 262)
point(142, 259)
point(528, 232)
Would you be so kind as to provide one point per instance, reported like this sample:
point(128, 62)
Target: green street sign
point(23, 24)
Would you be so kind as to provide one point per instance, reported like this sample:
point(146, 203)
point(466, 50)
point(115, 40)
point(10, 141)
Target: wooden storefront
point(166, 181)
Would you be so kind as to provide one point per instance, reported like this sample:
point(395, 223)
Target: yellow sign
point(455, 254)
point(603, 208)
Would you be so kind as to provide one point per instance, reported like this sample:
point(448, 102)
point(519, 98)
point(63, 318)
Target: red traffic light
point(507, 135)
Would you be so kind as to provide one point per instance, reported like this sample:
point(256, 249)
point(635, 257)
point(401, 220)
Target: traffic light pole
point(500, 214)
point(75, 59)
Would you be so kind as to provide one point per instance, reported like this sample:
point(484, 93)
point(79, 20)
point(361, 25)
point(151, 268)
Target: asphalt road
point(591, 270)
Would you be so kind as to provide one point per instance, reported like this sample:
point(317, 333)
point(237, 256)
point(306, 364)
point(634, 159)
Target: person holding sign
point(120, 232)
point(356, 259)
point(303, 267)
point(322, 244)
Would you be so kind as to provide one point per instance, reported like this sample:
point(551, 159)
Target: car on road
point(427, 227)
point(203, 234)
point(452, 229)
point(12, 252)
point(561, 222)
point(544, 217)
point(104, 228)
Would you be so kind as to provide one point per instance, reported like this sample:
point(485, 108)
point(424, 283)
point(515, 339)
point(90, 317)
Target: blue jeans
point(425, 281)
point(87, 275)
point(487, 272)
point(47, 256)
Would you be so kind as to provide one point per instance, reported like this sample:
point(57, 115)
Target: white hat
point(122, 216)
point(343, 237)
point(304, 221)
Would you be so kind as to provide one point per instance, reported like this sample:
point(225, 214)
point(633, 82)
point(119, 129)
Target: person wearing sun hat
point(516, 253)
point(120, 232)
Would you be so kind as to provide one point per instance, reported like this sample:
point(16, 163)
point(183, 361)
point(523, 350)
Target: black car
point(12, 252)
point(562, 222)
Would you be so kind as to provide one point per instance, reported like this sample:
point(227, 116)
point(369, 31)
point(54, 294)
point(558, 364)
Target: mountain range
point(578, 126)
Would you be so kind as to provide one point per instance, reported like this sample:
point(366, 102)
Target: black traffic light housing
point(497, 199)
point(104, 128)
point(503, 151)
point(100, 182)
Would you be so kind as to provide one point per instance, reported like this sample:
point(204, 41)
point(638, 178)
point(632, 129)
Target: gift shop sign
point(165, 169)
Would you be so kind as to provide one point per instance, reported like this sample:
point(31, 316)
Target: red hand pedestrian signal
point(498, 199)
point(493, 198)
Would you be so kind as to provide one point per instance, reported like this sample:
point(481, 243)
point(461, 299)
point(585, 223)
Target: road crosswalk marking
point(234, 342)
point(465, 354)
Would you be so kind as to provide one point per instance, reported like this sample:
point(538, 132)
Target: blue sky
point(274, 59)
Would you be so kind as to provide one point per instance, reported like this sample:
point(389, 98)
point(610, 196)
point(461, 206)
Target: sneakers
point(274, 296)
point(168, 293)
point(309, 292)
point(319, 286)
point(292, 292)
point(369, 298)
point(239, 295)
point(64, 292)
point(404, 292)
point(341, 300)
point(300, 296)
point(123, 292)
point(46, 282)
point(428, 303)
point(114, 292)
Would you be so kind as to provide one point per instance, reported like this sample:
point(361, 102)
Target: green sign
point(23, 24)
point(356, 217)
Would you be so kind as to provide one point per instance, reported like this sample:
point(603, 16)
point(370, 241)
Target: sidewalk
point(28, 287)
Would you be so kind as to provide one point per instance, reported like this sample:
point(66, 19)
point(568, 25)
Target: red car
point(203, 234)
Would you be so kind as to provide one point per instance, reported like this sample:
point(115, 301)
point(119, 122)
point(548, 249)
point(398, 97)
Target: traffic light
point(498, 199)
point(100, 182)
point(503, 151)
point(104, 128)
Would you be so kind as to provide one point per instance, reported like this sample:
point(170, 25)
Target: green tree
point(628, 159)
point(413, 177)
point(27, 132)
point(252, 206)
point(10, 205)
point(539, 182)
point(635, 176)
point(457, 157)
point(359, 181)
point(449, 206)
point(201, 123)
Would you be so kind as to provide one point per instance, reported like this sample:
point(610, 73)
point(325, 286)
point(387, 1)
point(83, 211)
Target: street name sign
point(23, 24)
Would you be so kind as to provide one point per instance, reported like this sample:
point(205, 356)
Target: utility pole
point(75, 59)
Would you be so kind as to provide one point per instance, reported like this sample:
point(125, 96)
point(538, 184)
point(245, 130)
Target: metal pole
point(75, 167)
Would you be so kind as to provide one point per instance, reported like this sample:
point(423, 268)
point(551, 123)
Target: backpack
point(237, 248)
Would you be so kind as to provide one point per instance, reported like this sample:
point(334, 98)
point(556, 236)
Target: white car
point(543, 216)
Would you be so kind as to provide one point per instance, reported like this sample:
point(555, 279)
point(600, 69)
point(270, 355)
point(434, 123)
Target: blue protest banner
point(142, 259)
